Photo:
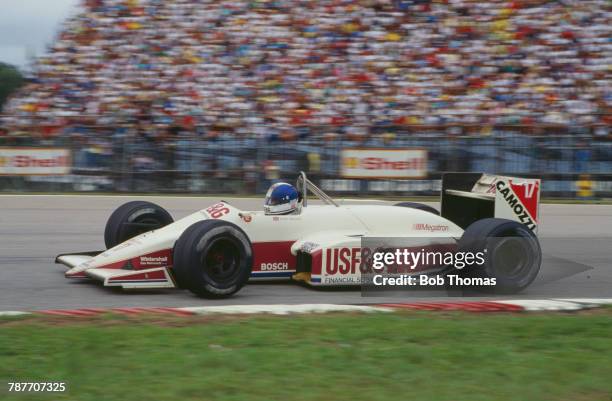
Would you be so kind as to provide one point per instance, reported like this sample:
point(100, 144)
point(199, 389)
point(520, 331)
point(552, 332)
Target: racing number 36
point(218, 210)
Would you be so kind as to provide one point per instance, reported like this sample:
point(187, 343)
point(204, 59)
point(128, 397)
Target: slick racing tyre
point(132, 219)
point(512, 254)
point(212, 259)
point(420, 206)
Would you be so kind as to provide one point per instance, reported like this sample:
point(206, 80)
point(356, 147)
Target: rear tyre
point(512, 254)
point(132, 219)
point(212, 259)
point(420, 206)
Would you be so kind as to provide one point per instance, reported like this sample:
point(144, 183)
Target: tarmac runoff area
point(576, 242)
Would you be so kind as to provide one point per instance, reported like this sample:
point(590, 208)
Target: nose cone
point(151, 249)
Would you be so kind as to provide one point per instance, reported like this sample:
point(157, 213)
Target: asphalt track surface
point(576, 242)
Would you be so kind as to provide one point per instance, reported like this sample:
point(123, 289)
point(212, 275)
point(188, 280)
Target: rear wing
point(467, 197)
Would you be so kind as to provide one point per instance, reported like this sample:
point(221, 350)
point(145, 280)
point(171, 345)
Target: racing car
point(215, 251)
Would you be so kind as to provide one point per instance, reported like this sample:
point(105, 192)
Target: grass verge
point(399, 356)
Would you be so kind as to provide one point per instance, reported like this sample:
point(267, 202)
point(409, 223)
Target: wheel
point(132, 219)
point(512, 253)
point(420, 206)
point(212, 259)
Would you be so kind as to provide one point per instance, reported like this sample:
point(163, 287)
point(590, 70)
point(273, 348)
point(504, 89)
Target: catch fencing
point(123, 159)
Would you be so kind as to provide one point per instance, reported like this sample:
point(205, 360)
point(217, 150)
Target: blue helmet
point(282, 198)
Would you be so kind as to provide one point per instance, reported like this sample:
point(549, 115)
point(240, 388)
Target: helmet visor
point(274, 200)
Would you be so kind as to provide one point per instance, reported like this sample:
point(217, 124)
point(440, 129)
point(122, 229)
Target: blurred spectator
point(582, 156)
point(351, 64)
point(584, 187)
point(249, 176)
point(271, 172)
point(314, 163)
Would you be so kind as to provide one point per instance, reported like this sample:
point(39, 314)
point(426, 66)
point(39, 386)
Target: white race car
point(215, 251)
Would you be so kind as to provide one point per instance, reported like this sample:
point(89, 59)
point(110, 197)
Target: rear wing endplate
point(468, 197)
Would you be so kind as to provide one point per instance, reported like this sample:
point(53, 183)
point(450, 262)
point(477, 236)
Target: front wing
point(157, 277)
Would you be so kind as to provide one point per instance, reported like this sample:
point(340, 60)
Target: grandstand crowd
point(266, 67)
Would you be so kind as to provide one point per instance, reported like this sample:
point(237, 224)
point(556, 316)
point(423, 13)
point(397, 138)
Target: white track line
point(546, 304)
point(13, 313)
point(86, 195)
point(591, 301)
point(282, 309)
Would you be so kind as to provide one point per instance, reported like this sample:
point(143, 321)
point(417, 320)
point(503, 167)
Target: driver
point(282, 198)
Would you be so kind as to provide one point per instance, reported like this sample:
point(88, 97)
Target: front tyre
point(134, 218)
point(512, 253)
point(212, 259)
